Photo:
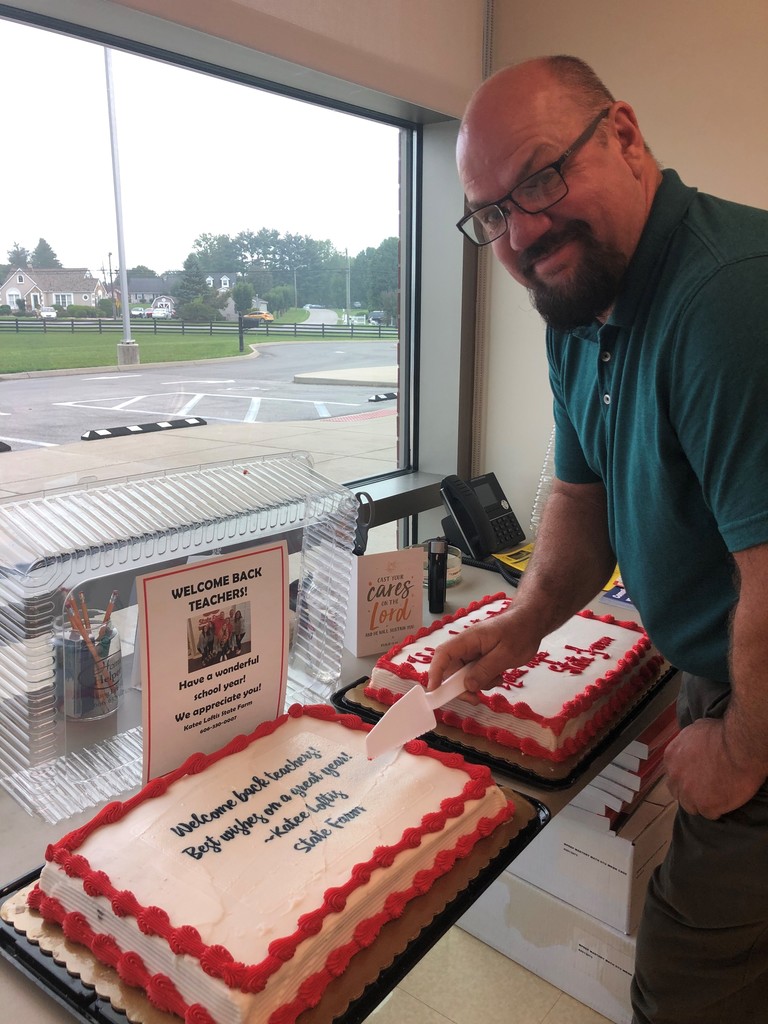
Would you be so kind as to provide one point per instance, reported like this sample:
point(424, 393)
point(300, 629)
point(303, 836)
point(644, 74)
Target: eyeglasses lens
point(535, 194)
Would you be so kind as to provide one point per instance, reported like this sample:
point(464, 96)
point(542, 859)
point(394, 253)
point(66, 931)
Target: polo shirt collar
point(669, 206)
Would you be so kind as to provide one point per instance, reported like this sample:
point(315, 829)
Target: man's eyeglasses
point(533, 194)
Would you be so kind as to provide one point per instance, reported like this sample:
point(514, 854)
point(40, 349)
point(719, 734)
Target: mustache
point(575, 231)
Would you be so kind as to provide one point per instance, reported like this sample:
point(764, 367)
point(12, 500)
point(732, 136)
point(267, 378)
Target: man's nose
point(523, 229)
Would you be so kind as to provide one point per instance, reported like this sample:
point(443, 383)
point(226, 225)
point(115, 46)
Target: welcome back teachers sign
point(213, 637)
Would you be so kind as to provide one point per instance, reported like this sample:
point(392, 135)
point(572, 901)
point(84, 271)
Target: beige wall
point(696, 73)
point(426, 51)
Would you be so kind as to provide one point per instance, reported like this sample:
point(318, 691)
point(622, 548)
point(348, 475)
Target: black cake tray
point(532, 771)
point(84, 1004)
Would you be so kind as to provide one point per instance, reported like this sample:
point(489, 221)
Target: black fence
point(182, 327)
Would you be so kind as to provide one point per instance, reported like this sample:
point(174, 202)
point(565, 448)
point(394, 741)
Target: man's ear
point(630, 138)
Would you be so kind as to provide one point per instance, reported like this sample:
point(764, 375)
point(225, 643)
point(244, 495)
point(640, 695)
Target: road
point(50, 410)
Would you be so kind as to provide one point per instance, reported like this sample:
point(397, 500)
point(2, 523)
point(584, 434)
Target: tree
point(18, 256)
point(242, 296)
point(196, 301)
point(279, 298)
point(43, 256)
point(218, 254)
point(200, 310)
point(375, 273)
point(141, 271)
point(192, 285)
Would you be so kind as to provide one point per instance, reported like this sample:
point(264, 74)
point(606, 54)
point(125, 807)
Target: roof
point(68, 280)
point(147, 284)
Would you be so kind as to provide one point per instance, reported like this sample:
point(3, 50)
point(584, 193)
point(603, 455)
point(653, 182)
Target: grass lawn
point(32, 350)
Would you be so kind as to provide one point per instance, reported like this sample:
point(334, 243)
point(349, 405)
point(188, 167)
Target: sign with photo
point(214, 652)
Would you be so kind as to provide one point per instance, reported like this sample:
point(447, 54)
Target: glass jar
point(89, 667)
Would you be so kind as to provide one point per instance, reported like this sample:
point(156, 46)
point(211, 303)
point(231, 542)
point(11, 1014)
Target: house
point(145, 289)
point(222, 282)
point(164, 302)
point(56, 287)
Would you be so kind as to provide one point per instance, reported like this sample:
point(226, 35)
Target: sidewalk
point(382, 377)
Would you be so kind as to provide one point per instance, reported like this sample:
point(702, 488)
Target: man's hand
point(703, 775)
point(493, 646)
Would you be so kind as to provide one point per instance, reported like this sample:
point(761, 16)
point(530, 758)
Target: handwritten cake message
point(301, 799)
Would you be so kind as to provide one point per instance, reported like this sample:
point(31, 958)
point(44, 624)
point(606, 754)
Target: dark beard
point(595, 285)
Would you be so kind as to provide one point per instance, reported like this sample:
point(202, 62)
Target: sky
point(196, 155)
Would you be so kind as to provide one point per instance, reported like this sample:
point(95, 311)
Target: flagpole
point(127, 350)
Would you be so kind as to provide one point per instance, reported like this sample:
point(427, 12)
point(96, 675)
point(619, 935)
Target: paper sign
point(517, 559)
point(386, 596)
point(214, 652)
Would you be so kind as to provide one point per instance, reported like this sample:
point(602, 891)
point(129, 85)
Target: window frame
point(437, 274)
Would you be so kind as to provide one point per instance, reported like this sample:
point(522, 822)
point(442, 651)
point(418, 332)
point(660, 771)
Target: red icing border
point(217, 961)
point(577, 705)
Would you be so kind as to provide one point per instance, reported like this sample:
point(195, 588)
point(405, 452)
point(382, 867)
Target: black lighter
point(437, 573)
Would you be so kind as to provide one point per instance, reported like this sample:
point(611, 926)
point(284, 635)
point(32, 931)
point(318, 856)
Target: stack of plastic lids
point(54, 544)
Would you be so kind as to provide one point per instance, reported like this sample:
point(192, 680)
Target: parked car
point(46, 312)
point(138, 311)
point(258, 316)
point(161, 313)
point(377, 316)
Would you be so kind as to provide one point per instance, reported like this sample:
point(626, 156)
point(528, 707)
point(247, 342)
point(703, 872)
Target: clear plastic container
point(70, 731)
point(545, 485)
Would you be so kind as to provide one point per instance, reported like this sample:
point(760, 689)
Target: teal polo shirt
point(667, 405)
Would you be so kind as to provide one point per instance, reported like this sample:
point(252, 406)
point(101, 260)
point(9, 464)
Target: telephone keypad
point(507, 529)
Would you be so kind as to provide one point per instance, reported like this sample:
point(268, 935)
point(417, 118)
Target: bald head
point(539, 88)
point(540, 121)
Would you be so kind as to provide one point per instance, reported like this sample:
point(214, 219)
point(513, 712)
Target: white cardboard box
point(601, 872)
point(580, 955)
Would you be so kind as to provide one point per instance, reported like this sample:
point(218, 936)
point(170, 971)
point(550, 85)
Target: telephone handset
point(481, 521)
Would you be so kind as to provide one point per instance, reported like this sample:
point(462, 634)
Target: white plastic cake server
point(412, 715)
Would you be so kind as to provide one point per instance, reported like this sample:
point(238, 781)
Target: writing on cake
point(269, 815)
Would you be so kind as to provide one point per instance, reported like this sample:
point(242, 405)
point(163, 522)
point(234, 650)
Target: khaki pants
point(702, 947)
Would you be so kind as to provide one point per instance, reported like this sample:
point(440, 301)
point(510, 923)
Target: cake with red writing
point(584, 677)
point(236, 888)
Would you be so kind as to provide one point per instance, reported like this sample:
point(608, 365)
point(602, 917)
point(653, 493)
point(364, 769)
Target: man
point(656, 301)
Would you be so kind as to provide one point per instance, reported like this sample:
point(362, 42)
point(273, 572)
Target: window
point(404, 153)
point(306, 253)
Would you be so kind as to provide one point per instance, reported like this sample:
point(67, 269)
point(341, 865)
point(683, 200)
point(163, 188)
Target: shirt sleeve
point(570, 463)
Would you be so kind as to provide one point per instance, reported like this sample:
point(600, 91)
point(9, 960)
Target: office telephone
point(480, 520)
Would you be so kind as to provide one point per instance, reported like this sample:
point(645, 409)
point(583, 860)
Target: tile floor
point(463, 981)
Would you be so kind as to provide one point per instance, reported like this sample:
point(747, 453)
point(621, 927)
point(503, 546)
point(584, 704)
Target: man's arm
point(571, 561)
point(716, 765)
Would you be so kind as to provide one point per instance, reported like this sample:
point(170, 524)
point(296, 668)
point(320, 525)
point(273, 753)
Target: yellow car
point(258, 316)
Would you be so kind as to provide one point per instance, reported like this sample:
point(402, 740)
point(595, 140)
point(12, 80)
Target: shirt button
point(605, 356)
point(606, 399)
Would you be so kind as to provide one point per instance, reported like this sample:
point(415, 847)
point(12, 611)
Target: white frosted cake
point(584, 676)
point(237, 887)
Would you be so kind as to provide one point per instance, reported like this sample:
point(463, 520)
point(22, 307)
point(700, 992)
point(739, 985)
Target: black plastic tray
point(84, 1004)
point(501, 766)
